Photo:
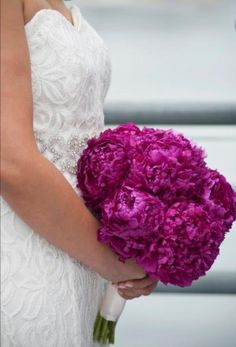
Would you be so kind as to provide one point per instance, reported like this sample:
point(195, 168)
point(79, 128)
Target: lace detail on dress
point(71, 72)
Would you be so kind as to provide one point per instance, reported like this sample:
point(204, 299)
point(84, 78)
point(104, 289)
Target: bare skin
point(135, 288)
point(31, 7)
point(30, 183)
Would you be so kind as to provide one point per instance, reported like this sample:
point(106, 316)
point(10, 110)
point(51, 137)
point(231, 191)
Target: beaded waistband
point(61, 151)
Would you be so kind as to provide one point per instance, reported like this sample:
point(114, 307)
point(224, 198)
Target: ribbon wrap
point(112, 304)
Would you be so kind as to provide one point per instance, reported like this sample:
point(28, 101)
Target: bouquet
point(157, 202)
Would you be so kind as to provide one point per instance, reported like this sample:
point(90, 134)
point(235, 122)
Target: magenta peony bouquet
point(157, 202)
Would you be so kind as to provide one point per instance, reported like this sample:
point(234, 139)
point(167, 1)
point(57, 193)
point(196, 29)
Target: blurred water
point(168, 51)
point(175, 320)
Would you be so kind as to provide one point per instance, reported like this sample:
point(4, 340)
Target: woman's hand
point(134, 288)
point(116, 271)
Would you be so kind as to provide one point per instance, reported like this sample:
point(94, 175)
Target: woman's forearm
point(42, 197)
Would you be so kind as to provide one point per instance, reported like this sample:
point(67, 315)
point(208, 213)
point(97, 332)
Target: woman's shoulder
point(19, 9)
point(31, 7)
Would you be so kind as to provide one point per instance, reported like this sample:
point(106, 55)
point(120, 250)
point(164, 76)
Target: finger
point(147, 290)
point(139, 283)
point(136, 292)
point(150, 289)
point(128, 295)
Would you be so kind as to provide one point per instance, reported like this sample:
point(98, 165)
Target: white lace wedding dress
point(49, 299)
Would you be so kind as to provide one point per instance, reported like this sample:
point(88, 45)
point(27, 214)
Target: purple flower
point(125, 134)
point(220, 197)
point(166, 164)
point(187, 247)
point(129, 219)
point(101, 168)
point(157, 201)
point(105, 163)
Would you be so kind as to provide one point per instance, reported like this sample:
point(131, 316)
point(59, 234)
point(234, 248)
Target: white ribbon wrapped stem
point(112, 304)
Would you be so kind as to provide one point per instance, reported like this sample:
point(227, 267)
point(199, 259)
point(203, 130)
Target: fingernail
point(121, 286)
point(129, 285)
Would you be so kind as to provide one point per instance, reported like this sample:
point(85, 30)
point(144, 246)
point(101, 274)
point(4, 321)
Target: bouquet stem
point(104, 330)
point(111, 308)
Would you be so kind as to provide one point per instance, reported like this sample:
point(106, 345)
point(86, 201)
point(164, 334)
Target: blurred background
point(174, 66)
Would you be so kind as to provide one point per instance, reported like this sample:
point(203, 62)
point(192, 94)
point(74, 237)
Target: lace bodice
point(48, 298)
point(71, 73)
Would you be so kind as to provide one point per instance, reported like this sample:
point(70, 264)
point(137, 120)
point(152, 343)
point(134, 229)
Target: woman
point(55, 75)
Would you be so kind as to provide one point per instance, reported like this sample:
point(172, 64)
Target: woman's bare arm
point(31, 184)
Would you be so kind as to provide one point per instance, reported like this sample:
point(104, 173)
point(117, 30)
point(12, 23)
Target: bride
point(55, 76)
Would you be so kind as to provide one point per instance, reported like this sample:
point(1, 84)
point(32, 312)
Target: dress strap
point(76, 16)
